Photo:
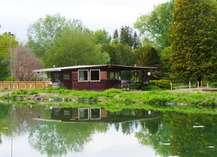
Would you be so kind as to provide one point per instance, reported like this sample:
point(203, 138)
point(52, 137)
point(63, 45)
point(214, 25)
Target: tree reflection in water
point(60, 138)
point(169, 133)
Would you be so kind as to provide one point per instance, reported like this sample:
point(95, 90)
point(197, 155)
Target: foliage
point(24, 61)
point(166, 62)
point(154, 27)
point(42, 33)
point(165, 84)
point(151, 88)
point(112, 92)
point(213, 85)
point(115, 35)
point(75, 46)
point(120, 54)
point(193, 39)
point(139, 98)
point(5, 54)
point(102, 37)
point(149, 56)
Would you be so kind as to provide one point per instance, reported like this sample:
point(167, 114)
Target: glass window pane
point(66, 113)
point(111, 76)
point(66, 76)
point(94, 75)
point(83, 114)
point(95, 113)
point(83, 75)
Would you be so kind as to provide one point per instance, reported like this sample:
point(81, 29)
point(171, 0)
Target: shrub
point(112, 92)
point(213, 85)
point(165, 84)
point(150, 88)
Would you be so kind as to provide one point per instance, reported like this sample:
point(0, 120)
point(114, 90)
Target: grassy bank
point(120, 97)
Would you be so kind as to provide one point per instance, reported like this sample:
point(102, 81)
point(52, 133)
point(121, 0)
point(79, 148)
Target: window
point(114, 75)
point(66, 113)
point(83, 113)
point(95, 75)
point(66, 76)
point(82, 75)
point(95, 113)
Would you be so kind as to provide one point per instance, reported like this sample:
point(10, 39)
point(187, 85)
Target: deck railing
point(17, 85)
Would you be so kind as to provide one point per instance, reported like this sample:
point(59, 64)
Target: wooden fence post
point(190, 84)
point(171, 85)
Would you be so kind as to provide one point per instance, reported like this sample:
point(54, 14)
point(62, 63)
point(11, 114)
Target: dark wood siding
point(99, 86)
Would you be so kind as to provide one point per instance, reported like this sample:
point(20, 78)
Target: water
point(96, 132)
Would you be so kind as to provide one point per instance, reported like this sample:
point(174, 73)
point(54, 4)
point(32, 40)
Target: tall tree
point(24, 62)
point(149, 56)
point(120, 54)
point(126, 37)
point(193, 37)
point(5, 54)
point(115, 35)
point(43, 31)
point(76, 47)
point(154, 27)
point(102, 37)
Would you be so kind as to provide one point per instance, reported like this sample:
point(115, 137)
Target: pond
point(96, 132)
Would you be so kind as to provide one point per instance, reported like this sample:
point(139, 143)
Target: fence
point(25, 85)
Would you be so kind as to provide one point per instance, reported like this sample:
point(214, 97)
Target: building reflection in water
point(101, 115)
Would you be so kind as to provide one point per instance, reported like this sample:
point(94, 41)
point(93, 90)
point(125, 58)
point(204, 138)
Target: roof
point(121, 67)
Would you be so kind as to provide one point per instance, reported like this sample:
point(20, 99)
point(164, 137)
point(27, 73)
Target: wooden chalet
point(97, 77)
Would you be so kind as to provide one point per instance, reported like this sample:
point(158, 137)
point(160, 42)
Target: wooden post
point(198, 84)
point(201, 84)
point(207, 84)
point(190, 84)
point(171, 85)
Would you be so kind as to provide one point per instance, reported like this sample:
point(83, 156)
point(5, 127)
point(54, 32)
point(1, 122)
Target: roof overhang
point(120, 67)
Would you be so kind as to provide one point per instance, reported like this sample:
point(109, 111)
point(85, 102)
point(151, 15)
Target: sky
point(17, 15)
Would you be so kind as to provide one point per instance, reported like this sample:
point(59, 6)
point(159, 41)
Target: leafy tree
point(120, 54)
point(102, 37)
point(42, 33)
point(24, 62)
point(76, 47)
point(193, 37)
point(154, 27)
point(149, 56)
point(166, 62)
point(5, 54)
point(57, 139)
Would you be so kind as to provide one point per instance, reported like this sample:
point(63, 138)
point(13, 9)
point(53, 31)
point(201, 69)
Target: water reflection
point(59, 131)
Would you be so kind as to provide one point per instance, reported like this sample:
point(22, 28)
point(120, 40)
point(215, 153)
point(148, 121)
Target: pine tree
point(115, 35)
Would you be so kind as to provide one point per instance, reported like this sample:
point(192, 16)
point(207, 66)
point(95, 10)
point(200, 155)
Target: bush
point(213, 85)
point(150, 88)
point(112, 92)
point(165, 84)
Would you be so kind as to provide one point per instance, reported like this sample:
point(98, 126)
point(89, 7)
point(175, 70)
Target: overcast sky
point(17, 15)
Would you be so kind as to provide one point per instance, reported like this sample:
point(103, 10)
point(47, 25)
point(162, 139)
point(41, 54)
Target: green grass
point(118, 96)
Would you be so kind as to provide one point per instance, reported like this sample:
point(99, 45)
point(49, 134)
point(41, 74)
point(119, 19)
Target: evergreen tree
point(126, 37)
point(115, 35)
point(135, 43)
point(193, 37)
